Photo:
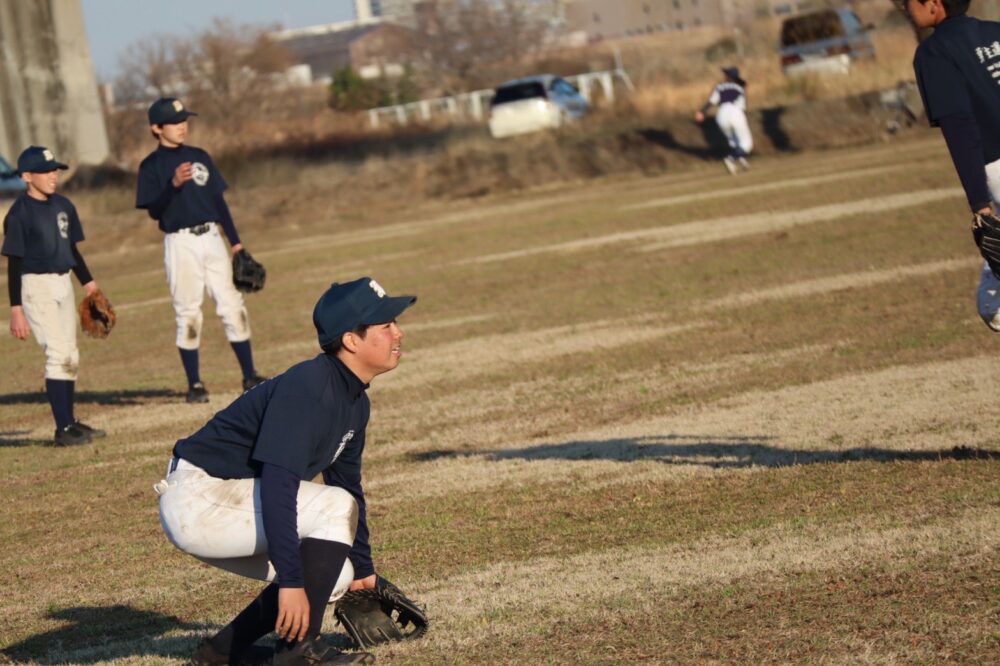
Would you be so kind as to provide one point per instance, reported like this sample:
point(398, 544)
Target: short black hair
point(333, 347)
point(951, 7)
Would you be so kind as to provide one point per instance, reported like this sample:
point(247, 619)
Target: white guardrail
point(473, 104)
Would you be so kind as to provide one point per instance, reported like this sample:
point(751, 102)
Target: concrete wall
point(611, 19)
point(48, 94)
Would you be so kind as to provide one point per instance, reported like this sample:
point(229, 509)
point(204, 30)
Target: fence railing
point(472, 105)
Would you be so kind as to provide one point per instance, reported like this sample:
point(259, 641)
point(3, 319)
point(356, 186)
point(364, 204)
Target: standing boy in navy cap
point(258, 456)
point(180, 187)
point(958, 74)
point(41, 233)
point(730, 96)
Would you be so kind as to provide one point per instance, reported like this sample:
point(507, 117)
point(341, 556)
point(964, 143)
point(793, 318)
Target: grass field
point(690, 418)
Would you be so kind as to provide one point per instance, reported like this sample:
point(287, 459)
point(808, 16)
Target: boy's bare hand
point(182, 174)
point(19, 323)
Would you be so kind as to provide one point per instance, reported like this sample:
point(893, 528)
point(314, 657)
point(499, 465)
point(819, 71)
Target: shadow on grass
point(124, 397)
point(665, 139)
point(16, 438)
point(771, 122)
point(718, 452)
point(97, 634)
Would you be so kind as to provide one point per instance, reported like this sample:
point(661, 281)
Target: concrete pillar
point(425, 109)
point(476, 106)
point(48, 93)
point(373, 117)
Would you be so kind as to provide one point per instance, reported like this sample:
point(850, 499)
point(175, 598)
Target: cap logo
point(377, 288)
point(178, 107)
point(48, 155)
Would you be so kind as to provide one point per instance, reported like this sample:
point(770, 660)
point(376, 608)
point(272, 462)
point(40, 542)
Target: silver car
point(828, 40)
point(10, 185)
point(534, 103)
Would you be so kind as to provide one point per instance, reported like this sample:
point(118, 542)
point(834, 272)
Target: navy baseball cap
point(344, 307)
point(168, 111)
point(37, 159)
point(734, 74)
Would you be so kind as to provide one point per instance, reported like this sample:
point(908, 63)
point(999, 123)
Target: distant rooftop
point(326, 29)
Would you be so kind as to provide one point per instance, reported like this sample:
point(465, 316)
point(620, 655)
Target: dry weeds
point(777, 450)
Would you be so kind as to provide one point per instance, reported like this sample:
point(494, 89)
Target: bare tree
point(149, 67)
point(222, 69)
point(229, 62)
point(464, 44)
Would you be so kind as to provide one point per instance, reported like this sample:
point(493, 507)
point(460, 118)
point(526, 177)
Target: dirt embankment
point(415, 163)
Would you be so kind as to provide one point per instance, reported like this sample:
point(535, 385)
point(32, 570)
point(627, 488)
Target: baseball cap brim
point(179, 117)
point(388, 309)
point(42, 168)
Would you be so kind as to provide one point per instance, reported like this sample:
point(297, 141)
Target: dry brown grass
point(778, 448)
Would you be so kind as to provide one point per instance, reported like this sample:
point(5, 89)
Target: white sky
point(114, 24)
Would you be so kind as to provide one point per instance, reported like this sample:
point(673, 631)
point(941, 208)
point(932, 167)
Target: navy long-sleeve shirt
point(309, 420)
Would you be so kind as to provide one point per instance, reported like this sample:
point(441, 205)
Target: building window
point(780, 10)
point(680, 25)
point(677, 4)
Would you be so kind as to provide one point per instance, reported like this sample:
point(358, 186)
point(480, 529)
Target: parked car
point(827, 40)
point(534, 103)
point(10, 185)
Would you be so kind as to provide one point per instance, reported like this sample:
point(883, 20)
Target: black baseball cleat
point(71, 435)
point(253, 380)
point(95, 433)
point(207, 655)
point(314, 651)
point(197, 393)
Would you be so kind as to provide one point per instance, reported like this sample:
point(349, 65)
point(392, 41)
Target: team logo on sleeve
point(62, 219)
point(199, 173)
point(348, 436)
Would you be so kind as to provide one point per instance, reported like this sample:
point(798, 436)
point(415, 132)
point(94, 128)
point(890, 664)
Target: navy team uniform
point(191, 217)
point(239, 493)
point(729, 96)
point(40, 243)
point(322, 407)
point(958, 73)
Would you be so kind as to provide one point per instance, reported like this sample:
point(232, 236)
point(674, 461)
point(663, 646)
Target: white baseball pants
point(196, 264)
point(50, 308)
point(219, 521)
point(732, 120)
point(988, 291)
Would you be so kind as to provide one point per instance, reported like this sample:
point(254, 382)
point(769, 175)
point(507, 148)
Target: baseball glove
point(986, 232)
point(380, 615)
point(248, 273)
point(97, 316)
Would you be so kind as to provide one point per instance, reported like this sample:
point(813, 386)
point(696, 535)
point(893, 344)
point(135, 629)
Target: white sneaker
point(744, 164)
point(730, 164)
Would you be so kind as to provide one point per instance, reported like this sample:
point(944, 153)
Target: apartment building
point(609, 19)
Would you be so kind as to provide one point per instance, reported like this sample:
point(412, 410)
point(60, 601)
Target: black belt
point(198, 229)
